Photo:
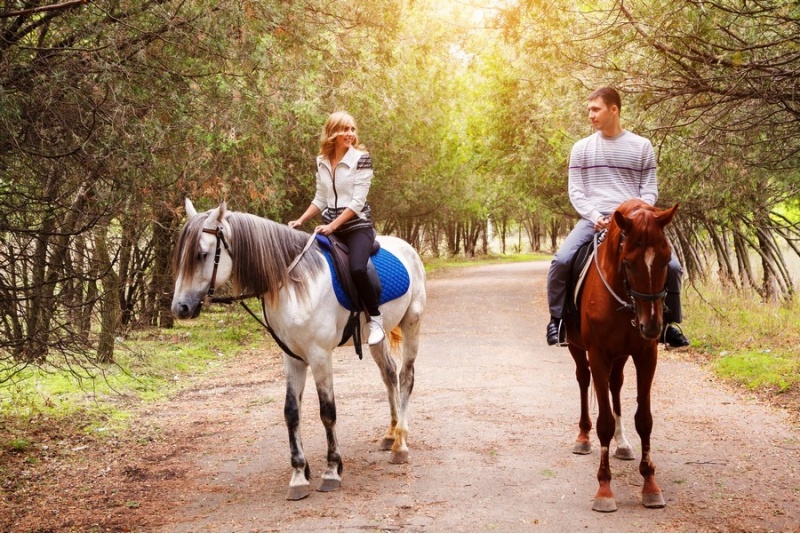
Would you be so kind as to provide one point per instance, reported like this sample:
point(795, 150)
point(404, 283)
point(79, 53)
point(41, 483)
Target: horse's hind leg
point(399, 387)
point(385, 362)
point(583, 444)
point(296, 372)
point(624, 450)
point(411, 326)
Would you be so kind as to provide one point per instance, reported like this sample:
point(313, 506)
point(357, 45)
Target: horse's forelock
point(184, 259)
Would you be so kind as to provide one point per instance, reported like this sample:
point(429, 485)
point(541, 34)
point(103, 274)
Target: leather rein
point(218, 232)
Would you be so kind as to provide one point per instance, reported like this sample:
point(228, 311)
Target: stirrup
point(562, 334)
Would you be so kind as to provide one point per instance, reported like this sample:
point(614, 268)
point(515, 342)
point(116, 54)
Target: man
point(605, 169)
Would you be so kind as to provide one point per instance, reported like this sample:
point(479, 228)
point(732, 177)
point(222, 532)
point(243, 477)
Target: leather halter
point(633, 295)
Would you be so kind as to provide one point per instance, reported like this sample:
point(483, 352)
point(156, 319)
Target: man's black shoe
point(674, 338)
point(552, 331)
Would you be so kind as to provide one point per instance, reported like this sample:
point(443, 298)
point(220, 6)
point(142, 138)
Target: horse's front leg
point(322, 368)
point(604, 500)
point(296, 371)
point(624, 450)
point(583, 444)
point(645, 371)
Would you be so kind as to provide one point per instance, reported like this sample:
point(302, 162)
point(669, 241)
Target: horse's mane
point(262, 251)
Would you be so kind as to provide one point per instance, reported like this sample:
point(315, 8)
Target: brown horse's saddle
point(580, 266)
point(581, 262)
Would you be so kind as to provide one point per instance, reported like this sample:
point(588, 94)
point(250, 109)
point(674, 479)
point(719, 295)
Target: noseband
point(633, 295)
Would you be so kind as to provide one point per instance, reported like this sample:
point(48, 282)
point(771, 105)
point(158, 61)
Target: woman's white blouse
point(348, 186)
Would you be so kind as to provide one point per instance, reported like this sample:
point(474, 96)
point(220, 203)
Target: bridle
point(217, 253)
point(219, 234)
point(632, 303)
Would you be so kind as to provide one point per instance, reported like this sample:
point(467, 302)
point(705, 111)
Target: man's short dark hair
point(609, 95)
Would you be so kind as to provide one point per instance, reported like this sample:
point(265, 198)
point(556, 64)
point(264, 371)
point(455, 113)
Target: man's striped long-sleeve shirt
point(606, 171)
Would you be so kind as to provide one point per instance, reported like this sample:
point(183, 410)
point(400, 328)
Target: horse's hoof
point(387, 444)
point(604, 504)
point(330, 484)
point(297, 493)
point(582, 447)
point(624, 453)
point(653, 500)
point(399, 457)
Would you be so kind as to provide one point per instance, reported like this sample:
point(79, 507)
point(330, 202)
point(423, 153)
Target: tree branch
point(40, 9)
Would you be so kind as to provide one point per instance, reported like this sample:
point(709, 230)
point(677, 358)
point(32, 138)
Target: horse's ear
point(190, 211)
point(621, 220)
point(665, 217)
point(216, 216)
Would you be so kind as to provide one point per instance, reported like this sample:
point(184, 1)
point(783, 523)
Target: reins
point(632, 293)
point(625, 305)
point(241, 298)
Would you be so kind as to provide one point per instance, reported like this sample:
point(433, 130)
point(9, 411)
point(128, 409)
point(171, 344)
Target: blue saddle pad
point(393, 274)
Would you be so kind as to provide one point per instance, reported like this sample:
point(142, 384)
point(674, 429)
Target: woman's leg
point(360, 244)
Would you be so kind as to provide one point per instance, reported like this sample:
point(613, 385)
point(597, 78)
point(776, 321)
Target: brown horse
point(620, 316)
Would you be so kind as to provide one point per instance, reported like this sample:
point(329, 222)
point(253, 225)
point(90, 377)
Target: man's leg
point(673, 335)
point(558, 275)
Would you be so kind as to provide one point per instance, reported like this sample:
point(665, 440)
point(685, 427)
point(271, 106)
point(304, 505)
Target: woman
point(344, 174)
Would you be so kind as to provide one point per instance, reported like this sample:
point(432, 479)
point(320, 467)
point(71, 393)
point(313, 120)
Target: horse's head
point(644, 255)
point(201, 261)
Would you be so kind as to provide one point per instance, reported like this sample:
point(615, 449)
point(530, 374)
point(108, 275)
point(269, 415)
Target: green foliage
point(112, 111)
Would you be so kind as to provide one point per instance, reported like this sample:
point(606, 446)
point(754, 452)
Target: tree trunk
point(109, 298)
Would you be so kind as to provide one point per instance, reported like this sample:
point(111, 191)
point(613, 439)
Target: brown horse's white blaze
point(633, 262)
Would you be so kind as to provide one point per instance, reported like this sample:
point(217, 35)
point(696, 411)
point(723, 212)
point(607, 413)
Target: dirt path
point(493, 419)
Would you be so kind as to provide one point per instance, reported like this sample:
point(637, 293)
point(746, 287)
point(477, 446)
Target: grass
point(150, 365)
point(746, 341)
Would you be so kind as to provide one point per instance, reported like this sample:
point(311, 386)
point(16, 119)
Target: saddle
point(339, 256)
point(581, 262)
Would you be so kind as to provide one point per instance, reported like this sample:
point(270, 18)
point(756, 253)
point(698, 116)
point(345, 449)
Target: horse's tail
point(395, 338)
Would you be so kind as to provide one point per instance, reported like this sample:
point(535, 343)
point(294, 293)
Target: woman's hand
point(325, 229)
point(294, 224)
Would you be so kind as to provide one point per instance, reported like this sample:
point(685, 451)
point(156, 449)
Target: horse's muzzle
point(183, 310)
point(650, 330)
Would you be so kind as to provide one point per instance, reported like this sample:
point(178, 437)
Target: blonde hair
point(336, 123)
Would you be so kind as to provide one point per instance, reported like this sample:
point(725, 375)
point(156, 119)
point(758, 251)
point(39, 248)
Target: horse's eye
point(202, 256)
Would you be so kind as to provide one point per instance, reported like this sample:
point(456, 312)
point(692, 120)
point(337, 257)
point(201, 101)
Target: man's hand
point(602, 223)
